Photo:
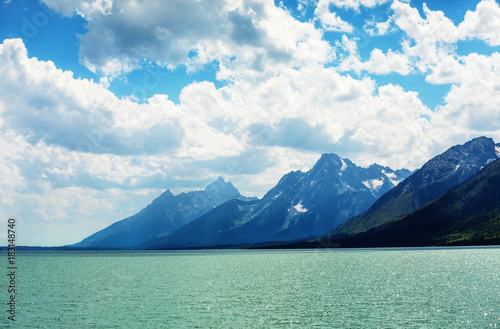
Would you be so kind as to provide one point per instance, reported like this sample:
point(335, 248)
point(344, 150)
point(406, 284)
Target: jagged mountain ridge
point(468, 214)
point(164, 215)
point(300, 205)
point(437, 176)
point(304, 204)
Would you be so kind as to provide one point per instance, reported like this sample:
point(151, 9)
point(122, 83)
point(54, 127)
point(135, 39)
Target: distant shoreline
point(268, 248)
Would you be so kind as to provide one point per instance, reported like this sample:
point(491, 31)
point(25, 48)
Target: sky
point(104, 104)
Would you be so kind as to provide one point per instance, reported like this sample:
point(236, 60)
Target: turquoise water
point(412, 288)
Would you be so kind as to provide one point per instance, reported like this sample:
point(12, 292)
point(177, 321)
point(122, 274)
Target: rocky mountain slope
point(437, 176)
point(164, 215)
point(468, 214)
point(300, 205)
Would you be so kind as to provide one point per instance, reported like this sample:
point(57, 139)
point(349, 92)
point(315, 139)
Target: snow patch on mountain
point(497, 150)
point(300, 208)
point(344, 165)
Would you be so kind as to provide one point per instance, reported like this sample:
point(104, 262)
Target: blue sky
point(106, 103)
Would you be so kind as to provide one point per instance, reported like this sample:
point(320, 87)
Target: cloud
point(356, 4)
point(252, 161)
point(473, 69)
point(378, 63)
point(285, 109)
point(291, 133)
point(436, 27)
point(472, 104)
point(432, 39)
point(250, 35)
point(330, 20)
point(374, 28)
point(85, 8)
point(430, 43)
point(77, 132)
point(47, 104)
point(484, 23)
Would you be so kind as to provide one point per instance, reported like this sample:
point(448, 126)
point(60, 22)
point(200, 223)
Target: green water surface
point(398, 288)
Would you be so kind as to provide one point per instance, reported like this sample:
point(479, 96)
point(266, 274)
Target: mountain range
point(437, 176)
point(163, 216)
point(335, 199)
point(468, 214)
point(302, 204)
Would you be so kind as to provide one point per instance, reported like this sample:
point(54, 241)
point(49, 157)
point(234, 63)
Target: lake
point(370, 288)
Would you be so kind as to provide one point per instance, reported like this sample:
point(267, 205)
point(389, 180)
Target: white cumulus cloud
point(484, 23)
point(249, 36)
point(330, 20)
point(355, 4)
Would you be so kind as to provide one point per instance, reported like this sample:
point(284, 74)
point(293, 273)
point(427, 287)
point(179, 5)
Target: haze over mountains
point(334, 195)
point(164, 215)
